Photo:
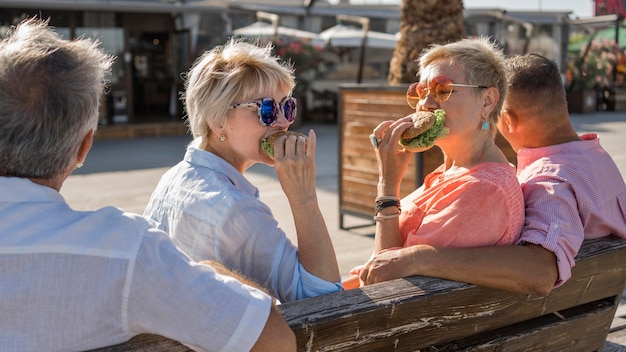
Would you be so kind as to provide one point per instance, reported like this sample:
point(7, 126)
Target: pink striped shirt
point(572, 191)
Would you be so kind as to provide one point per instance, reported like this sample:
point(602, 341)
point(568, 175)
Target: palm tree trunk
point(423, 22)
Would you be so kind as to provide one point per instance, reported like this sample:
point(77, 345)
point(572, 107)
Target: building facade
point(155, 41)
point(152, 41)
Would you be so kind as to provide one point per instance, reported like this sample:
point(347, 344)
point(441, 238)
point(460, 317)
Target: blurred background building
point(157, 40)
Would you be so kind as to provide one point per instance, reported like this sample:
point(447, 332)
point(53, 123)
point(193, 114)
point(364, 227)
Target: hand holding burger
point(267, 144)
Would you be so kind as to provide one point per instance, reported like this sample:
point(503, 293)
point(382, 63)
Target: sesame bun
point(422, 121)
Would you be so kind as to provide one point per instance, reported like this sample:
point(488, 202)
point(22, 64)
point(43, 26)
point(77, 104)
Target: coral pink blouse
point(473, 207)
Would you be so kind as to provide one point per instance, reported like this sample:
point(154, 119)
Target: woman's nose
point(282, 120)
point(428, 103)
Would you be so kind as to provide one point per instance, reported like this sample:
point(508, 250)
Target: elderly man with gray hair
point(79, 280)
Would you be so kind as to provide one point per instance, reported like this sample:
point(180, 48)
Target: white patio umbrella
point(342, 36)
point(351, 37)
point(267, 31)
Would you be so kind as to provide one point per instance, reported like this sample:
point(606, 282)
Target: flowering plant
point(302, 55)
point(593, 67)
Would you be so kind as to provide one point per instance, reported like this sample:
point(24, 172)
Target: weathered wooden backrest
point(418, 313)
point(413, 313)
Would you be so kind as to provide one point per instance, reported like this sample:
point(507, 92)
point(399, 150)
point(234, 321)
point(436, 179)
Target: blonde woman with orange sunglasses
point(473, 198)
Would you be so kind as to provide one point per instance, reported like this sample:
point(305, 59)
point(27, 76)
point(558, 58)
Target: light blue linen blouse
point(212, 212)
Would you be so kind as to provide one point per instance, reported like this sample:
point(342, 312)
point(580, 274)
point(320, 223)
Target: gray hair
point(480, 58)
point(232, 73)
point(50, 89)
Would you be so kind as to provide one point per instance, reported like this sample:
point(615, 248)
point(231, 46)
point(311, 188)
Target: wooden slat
point(177, 128)
point(582, 328)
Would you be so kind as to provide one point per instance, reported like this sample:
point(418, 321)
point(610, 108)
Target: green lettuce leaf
point(267, 147)
point(427, 138)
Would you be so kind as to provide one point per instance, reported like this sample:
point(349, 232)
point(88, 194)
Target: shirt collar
point(205, 159)
point(527, 156)
point(19, 189)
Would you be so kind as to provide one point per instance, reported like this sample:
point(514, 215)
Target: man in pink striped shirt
point(572, 190)
point(570, 183)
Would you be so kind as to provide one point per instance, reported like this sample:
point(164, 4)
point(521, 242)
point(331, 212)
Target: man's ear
point(84, 148)
point(509, 119)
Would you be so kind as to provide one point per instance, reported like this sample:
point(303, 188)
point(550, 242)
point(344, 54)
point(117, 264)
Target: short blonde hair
point(228, 74)
point(480, 58)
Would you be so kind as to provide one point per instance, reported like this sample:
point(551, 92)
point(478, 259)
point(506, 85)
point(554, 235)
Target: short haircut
point(50, 89)
point(536, 83)
point(480, 58)
point(232, 73)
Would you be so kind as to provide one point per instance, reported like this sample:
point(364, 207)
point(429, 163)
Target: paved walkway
point(124, 172)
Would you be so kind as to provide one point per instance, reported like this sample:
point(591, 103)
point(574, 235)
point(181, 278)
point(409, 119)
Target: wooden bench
point(428, 314)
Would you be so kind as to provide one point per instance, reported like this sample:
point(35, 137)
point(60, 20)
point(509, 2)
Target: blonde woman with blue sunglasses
point(236, 96)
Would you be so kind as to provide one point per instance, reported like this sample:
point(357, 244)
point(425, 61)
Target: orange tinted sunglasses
point(440, 88)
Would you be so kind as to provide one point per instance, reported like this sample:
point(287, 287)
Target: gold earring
point(79, 165)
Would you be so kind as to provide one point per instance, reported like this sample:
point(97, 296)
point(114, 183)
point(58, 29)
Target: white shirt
point(212, 211)
point(74, 281)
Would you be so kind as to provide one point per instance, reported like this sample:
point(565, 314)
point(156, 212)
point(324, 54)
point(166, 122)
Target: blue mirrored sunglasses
point(268, 109)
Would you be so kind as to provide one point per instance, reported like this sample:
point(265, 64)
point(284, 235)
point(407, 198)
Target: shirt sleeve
point(170, 295)
point(255, 244)
point(553, 221)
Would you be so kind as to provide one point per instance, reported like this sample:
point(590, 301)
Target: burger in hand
point(427, 128)
point(268, 143)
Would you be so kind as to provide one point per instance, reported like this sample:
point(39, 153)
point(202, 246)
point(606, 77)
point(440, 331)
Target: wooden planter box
point(361, 108)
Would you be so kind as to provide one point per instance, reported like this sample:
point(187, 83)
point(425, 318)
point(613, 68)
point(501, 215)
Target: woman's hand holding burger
point(392, 140)
point(393, 160)
point(294, 160)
